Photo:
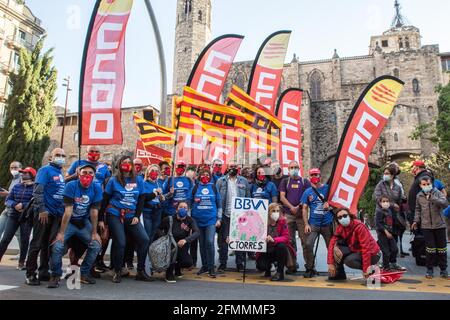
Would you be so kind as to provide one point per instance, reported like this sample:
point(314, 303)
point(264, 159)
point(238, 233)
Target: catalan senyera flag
point(152, 133)
point(202, 116)
point(102, 79)
point(366, 122)
point(258, 121)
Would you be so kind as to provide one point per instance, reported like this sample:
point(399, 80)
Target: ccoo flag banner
point(367, 120)
point(288, 112)
point(265, 77)
point(102, 79)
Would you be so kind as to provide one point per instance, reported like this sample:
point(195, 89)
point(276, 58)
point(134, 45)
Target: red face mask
point(138, 168)
point(86, 180)
point(205, 179)
point(261, 177)
point(315, 180)
point(217, 169)
point(154, 175)
point(92, 156)
point(167, 171)
point(126, 167)
point(179, 171)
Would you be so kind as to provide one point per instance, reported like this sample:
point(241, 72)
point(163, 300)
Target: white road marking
point(3, 288)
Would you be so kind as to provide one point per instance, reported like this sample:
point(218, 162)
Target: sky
point(318, 27)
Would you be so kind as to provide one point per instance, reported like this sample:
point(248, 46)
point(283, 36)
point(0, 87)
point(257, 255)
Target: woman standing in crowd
point(184, 231)
point(123, 201)
point(16, 203)
point(207, 212)
point(263, 188)
point(152, 209)
point(279, 248)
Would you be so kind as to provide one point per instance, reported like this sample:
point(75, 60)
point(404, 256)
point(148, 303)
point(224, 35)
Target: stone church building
point(332, 86)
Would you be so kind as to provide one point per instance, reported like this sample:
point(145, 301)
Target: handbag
point(161, 253)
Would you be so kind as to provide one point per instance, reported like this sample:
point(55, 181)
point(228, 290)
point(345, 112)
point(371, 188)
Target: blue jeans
point(137, 232)
point(11, 226)
point(152, 222)
point(85, 236)
point(3, 218)
point(207, 250)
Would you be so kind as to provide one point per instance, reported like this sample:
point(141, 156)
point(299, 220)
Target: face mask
point(205, 179)
point(345, 222)
point(427, 189)
point(26, 177)
point(59, 161)
point(126, 167)
point(276, 170)
point(385, 205)
point(294, 172)
point(167, 171)
point(182, 212)
point(261, 177)
point(233, 172)
point(179, 171)
point(138, 168)
point(153, 175)
point(387, 178)
point(93, 157)
point(275, 215)
point(217, 169)
point(315, 180)
point(86, 180)
point(14, 173)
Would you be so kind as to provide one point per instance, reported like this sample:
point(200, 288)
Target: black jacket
point(181, 229)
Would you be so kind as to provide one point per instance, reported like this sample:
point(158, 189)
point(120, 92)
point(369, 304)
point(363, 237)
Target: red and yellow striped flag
point(152, 133)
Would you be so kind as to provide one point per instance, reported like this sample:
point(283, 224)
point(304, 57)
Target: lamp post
point(67, 85)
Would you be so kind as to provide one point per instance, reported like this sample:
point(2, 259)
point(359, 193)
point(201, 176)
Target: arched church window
point(396, 73)
point(400, 42)
point(200, 15)
point(315, 84)
point(430, 111)
point(187, 6)
point(396, 137)
point(416, 86)
point(407, 43)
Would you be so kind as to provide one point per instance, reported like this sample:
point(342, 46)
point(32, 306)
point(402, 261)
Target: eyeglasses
point(60, 155)
point(343, 216)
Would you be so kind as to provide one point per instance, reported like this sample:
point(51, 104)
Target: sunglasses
point(343, 216)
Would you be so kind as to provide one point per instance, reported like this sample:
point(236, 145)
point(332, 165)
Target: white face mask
point(345, 222)
point(385, 205)
point(14, 173)
point(275, 215)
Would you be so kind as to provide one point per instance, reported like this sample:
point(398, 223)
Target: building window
point(446, 65)
point(396, 73)
point(430, 111)
point(75, 136)
point(74, 121)
point(407, 43)
point(16, 62)
point(60, 121)
point(396, 137)
point(22, 35)
point(200, 15)
point(416, 86)
point(315, 83)
point(400, 42)
point(187, 6)
point(384, 43)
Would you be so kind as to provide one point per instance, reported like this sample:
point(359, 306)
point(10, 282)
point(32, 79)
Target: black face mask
point(233, 172)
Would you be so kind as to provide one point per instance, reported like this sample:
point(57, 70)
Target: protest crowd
point(80, 212)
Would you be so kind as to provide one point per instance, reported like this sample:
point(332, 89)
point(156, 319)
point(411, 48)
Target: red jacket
point(358, 239)
point(283, 236)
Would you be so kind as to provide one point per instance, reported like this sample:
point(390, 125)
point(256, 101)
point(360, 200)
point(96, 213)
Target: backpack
point(161, 253)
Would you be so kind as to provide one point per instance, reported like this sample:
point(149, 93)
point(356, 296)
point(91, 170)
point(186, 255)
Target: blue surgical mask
point(387, 178)
point(182, 212)
point(345, 222)
point(59, 161)
point(294, 172)
point(427, 189)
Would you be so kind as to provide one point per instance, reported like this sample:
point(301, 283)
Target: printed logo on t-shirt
point(205, 191)
point(294, 186)
point(130, 186)
point(259, 190)
point(84, 199)
point(58, 178)
point(180, 184)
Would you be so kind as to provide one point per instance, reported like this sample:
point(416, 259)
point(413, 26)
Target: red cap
point(314, 171)
point(418, 163)
point(181, 163)
point(29, 170)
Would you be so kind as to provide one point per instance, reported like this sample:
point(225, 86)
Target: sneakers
point(44, 276)
point(53, 283)
point(117, 278)
point(170, 278)
point(444, 275)
point(130, 266)
point(95, 274)
point(101, 267)
point(202, 271)
point(277, 277)
point(396, 267)
point(222, 267)
point(21, 266)
point(429, 274)
point(309, 273)
point(86, 279)
point(212, 274)
point(124, 272)
point(141, 275)
point(32, 281)
point(178, 273)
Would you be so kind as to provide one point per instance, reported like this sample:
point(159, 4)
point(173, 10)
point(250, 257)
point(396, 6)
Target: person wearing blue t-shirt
point(206, 207)
point(152, 209)
point(123, 202)
point(263, 188)
point(438, 184)
point(182, 188)
point(217, 170)
point(102, 172)
point(163, 179)
point(320, 220)
point(82, 199)
point(49, 208)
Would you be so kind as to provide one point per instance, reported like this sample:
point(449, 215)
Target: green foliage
point(443, 121)
point(30, 113)
point(366, 202)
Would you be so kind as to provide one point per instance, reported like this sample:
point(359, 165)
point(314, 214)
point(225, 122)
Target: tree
point(30, 114)
point(366, 202)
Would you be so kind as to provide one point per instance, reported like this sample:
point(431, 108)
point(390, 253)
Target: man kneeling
point(82, 197)
point(352, 245)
